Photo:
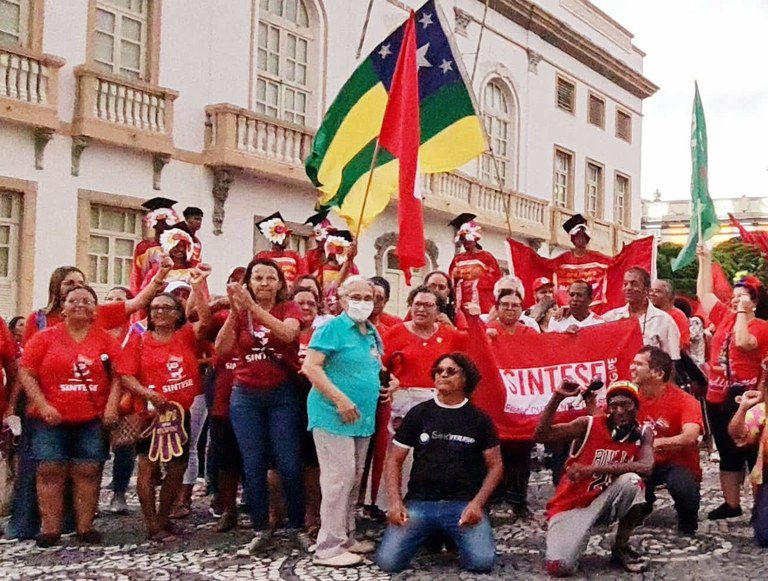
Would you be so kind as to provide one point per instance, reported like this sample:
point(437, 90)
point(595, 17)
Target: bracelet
point(743, 312)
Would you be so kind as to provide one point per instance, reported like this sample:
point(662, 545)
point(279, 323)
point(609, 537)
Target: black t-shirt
point(448, 445)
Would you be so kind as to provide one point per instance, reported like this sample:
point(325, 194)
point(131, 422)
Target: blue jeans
point(477, 551)
point(266, 424)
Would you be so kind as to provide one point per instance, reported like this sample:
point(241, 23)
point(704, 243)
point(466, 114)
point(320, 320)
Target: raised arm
point(704, 283)
point(546, 432)
point(145, 296)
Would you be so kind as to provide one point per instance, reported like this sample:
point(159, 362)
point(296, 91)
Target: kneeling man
point(610, 456)
point(456, 467)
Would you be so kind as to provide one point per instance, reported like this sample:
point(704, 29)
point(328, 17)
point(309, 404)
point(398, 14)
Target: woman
point(310, 282)
point(343, 363)
point(16, 326)
point(66, 373)
point(748, 428)
point(262, 329)
point(516, 455)
point(160, 368)
point(125, 456)
point(440, 282)
point(739, 344)
point(475, 270)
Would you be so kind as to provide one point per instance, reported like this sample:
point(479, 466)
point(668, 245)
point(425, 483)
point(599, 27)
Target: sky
point(722, 44)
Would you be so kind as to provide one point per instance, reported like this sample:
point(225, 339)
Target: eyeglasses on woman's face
point(447, 370)
point(162, 308)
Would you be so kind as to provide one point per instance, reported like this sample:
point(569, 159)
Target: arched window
point(286, 55)
point(399, 290)
point(499, 115)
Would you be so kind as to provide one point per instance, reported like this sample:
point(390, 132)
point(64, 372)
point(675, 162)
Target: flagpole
point(374, 159)
point(365, 29)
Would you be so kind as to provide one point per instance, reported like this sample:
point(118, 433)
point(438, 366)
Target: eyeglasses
point(420, 305)
point(83, 302)
point(357, 297)
point(510, 306)
point(447, 371)
point(162, 308)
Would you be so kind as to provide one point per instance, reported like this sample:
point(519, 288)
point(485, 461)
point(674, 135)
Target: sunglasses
point(447, 371)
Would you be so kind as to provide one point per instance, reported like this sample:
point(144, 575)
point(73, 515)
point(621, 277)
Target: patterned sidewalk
point(721, 550)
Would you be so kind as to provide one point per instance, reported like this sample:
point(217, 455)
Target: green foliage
point(733, 255)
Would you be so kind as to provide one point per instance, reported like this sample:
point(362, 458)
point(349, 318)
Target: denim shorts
point(76, 442)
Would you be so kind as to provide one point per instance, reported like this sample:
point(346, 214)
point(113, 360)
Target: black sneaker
point(724, 511)
point(627, 557)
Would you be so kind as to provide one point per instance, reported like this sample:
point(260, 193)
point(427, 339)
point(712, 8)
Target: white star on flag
point(421, 56)
point(446, 66)
point(384, 51)
point(426, 19)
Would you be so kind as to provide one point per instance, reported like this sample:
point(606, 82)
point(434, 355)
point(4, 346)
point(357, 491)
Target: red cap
point(540, 282)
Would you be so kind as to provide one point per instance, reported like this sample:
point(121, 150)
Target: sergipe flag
point(400, 135)
point(451, 132)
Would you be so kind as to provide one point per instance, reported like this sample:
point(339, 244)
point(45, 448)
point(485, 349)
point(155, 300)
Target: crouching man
point(603, 483)
point(456, 467)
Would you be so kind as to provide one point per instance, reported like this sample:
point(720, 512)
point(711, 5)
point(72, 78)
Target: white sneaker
point(345, 559)
point(118, 505)
point(361, 547)
point(262, 541)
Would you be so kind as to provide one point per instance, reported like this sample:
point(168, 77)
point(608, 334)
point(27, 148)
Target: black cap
point(157, 203)
point(461, 219)
point(270, 217)
point(316, 219)
point(345, 234)
point(573, 221)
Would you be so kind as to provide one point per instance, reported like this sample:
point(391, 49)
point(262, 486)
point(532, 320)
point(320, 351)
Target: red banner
point(604, 273)
point(519, 379)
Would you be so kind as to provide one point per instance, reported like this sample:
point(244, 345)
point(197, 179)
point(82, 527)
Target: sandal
point(181, 511)
point(91, 537)
point(227, 522)
point(46, 541)
point(631, 560)
point(162, 536)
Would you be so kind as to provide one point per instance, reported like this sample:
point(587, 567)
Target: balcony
point(123, 112)
point(454, 193)
point(29, 87)
point(240, 138)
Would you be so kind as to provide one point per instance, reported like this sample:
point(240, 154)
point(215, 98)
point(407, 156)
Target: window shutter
point(565, 95)
point(624, 126)
point(596, 111)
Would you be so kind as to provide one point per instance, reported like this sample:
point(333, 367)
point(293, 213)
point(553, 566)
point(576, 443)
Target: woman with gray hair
point(343, 363)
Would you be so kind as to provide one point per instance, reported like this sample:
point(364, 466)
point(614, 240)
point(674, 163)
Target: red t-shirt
point(600, 448)
point(225, 380)
point(474, 275)
point(667, 414)
point(265, 361)
point(171, 367)
point(682, 323)
point(289, 261)
point(72, 375)
point(744, 365)
point(410, 357)
point(9, 351)
point(108, 316)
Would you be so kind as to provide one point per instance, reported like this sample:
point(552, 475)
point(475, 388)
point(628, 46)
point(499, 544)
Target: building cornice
point(560, 35)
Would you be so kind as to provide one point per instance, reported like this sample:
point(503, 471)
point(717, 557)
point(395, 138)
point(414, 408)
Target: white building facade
point(105, 103)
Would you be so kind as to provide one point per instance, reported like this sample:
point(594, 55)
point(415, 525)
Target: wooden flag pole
point(374, 159)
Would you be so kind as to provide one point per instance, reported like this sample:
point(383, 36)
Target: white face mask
point(359, 311)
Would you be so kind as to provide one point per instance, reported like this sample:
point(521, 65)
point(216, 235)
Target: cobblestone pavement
point(721, 550)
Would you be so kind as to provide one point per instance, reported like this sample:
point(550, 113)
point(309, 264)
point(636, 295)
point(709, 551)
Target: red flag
point(604, 273)
point(720, 285)
point(759, 239)
point(401, 135)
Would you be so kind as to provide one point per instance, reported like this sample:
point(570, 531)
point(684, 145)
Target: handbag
point(128, 429)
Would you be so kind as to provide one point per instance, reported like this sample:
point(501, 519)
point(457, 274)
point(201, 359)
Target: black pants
point(516, 457)
point(684, 488)
point(733, 458)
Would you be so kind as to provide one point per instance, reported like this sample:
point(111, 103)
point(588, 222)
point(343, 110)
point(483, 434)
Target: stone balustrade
point(29, 87)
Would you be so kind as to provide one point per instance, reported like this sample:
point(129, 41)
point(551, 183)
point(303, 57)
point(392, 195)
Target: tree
point(733, 255)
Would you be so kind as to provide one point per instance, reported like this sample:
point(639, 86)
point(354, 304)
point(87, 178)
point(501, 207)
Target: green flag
point(702, 209)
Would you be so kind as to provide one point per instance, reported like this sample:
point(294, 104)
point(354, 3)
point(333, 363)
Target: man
point(193, 221)
point(277, 233)
point(456, 467)
point(658, 328)
point(543, 288)
point(662, 295)
point(579, 314)
point(677, 423)
point(611, 454)
point(381, 291)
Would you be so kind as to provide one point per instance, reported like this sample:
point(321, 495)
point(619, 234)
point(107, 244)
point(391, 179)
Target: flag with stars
point(451, 131)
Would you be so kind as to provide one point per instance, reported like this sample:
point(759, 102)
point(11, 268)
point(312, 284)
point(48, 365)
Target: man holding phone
point(603, 482)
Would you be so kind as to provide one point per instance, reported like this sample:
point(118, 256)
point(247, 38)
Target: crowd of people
point(317, 401)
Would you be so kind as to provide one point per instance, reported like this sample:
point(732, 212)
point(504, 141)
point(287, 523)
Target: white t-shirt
point(562, 325)
point(658, 328)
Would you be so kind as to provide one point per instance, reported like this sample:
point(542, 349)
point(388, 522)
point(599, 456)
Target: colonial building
point(105, 103)
point(669, 220)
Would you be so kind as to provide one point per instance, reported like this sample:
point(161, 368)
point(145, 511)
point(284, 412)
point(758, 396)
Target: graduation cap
point(462, 219)
point(576, 223)
point(320, 224)
point(160, 210)
point(158, 203)
point(274, 228)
